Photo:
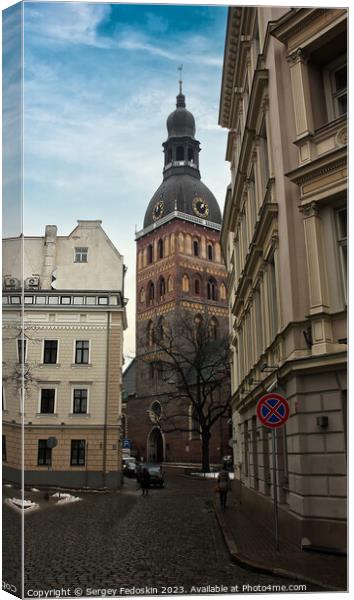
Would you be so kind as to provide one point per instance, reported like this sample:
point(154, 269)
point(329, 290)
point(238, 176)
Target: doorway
point(155, 446)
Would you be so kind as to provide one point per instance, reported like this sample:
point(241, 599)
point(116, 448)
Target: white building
point(71, 338)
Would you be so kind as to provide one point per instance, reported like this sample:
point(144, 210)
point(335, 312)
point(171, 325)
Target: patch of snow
point(20, 504)
point(211, 475)
point(34, 490)
point(8, 485)
point(65, 498)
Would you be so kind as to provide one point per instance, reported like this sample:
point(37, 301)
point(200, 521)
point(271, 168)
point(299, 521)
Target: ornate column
point(322, 336)
point(301, 93)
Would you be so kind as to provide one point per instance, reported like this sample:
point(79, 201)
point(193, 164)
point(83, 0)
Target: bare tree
point(193, 363)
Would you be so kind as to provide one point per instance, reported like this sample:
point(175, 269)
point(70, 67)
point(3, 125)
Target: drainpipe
point(106, 400)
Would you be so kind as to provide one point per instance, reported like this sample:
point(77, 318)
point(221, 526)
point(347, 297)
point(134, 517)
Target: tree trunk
point(205, 451)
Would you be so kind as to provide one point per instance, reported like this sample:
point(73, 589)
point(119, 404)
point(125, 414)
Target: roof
point(129, 379)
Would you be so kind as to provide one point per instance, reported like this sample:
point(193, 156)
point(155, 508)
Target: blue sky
point(100, 81)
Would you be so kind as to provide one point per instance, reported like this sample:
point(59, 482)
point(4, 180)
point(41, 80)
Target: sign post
point(273, 412)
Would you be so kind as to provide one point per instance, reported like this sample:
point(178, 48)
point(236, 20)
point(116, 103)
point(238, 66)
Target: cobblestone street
point(170, 538)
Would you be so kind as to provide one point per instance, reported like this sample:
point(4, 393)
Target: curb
point(250, 565)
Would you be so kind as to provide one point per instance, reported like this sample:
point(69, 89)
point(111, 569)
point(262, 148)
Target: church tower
point(179, 265)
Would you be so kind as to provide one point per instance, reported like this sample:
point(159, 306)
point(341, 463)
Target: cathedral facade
point(179, 268)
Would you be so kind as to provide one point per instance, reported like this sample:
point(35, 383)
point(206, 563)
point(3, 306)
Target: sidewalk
point(251, 545)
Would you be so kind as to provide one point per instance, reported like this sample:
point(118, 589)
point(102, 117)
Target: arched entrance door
point(155, 446)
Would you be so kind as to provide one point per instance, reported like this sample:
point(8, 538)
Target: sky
point(99, 83)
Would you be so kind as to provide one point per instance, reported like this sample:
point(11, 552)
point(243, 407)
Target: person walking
point(145, 481)
point(223, 486)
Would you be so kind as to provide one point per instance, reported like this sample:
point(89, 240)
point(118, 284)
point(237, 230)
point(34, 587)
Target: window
point(150, 254)
point(22, 350)
point(211, 289)
point(78, 299)
point(82, 348)
point(170, 284)
point(162, 287)
point(160, 329)
point(151, 370)
point(264, 152)
point(339, 92)
point(190, 154)
point(210, 252)
point(80, 401)
point(160, 248)
point(155, 411)
point(47, 401)
point(44, 454)
point(272, 296)
point(151, 293)
point(213, 328)
point(81, 255)
point(180, 153)
point(196, 248)
point(65, 300)
point(185, 283)
point(50, 352)
point(77, 457)
point(4, 457)
point(103, 300)
point(197, 287)
point(222, 291)
point(142, 295)
point(150, 334)
point(341, 217)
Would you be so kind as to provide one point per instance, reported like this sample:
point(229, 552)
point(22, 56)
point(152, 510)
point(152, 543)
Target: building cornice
point(176, 214)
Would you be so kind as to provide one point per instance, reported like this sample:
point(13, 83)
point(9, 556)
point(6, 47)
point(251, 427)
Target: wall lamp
point(267, 368)
point(322, 421)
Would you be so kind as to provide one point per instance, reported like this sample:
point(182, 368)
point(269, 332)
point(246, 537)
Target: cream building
point(71, 339)
point(283, 100)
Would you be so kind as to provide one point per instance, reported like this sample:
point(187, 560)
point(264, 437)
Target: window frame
point(44, 362)
point(342, 242)
point(4, 448)
point(47, 454)
point(41, 390)
point(79, 389)
point(80, 251)
point(77, 463)
point(18, 346)
point(329, 86)
point(75, 353)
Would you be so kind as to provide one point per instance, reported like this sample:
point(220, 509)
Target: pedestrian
point(223, 486)
point(145, 481)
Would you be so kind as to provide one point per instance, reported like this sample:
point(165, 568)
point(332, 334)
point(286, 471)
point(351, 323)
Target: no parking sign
point(273, 410)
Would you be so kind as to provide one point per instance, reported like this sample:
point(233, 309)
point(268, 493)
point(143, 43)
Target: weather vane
point(180, 69)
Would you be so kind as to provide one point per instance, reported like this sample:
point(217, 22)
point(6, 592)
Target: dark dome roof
point(179, 191)
point(180, 122)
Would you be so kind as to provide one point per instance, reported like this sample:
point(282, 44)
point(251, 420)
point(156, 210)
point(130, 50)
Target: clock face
point(200, 207)
point(158, 210)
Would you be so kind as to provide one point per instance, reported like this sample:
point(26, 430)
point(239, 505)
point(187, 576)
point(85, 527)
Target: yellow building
point(62, 357)
point(283, 100)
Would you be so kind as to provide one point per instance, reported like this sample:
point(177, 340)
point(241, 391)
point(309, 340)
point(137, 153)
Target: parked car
point(155, 472)
point(129, 466)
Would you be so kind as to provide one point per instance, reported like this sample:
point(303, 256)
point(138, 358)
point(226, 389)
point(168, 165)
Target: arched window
point(196, 248)
point(151, 293)
point(160, 329)
point(169, 156)
point(198, 321)
point(162, 287)
point(210, 252)
point(222, 291)
point(213, 328)
point(212, 291)
point(170, 284)
point(160, 248)
point(150, 334)
point(190, 154)
point(142, 295)
point(185, 283)
point(180, 153)
point(150, 254)
point(197, 286)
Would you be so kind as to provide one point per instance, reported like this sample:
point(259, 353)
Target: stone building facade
point(179, 267)
point(63, 358)
point(283, 99)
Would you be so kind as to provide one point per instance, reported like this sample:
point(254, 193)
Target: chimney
point(49, 256)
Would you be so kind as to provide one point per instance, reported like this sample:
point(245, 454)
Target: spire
point(181, 101)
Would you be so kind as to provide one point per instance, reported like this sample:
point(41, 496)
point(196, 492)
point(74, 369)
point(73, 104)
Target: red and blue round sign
point(273, 410)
